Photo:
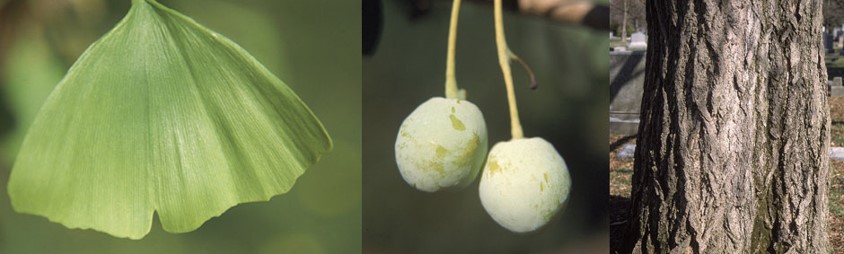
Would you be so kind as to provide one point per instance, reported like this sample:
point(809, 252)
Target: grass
point(621, 172)
point(836, 206)
point(834, 59)
point(836, 177)
point(616, 42)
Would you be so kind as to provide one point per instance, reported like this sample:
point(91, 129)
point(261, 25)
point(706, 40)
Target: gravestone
point(627, 79)
point(827, 42)
point(626, 151)
point(637, 41)
point(836, 153)
point(835, 87)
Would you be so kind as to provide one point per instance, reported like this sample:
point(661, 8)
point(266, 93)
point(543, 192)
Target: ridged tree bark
point(733, 144)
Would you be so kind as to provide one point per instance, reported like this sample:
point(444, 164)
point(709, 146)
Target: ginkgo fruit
point(442, 144)
point(524, 184)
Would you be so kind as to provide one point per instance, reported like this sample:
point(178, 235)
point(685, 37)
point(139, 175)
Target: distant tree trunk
point(733, 144)
point(624, 23)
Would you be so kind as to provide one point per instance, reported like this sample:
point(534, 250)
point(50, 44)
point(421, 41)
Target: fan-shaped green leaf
point(162, 115)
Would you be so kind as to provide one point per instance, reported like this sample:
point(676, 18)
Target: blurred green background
point(569, 110)
point(313, 46)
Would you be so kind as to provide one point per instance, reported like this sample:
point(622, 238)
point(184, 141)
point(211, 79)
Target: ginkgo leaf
point(162, 115)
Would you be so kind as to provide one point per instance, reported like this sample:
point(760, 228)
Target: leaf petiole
point(451, 90)
point(504, 57)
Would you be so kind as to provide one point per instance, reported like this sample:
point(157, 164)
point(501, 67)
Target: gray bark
point(733, 141)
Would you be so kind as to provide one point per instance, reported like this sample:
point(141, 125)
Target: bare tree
point(732, 155)
point(833, 13)
point(624, 11)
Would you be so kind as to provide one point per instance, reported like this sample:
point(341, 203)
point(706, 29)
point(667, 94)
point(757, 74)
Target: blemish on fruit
point(456, 123)
point(468, 153)
point(441, 151)
point(493, 167)
point(438, 167)
point(432, 165)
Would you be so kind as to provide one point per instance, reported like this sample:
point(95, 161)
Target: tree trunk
point(624, 24)
point(733, 144)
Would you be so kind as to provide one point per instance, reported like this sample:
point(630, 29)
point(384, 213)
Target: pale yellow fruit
point(441, 145)
point(524, 184)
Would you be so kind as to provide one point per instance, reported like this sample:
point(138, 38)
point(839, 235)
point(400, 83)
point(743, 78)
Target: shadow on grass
point(621, 141)
point(619, 210)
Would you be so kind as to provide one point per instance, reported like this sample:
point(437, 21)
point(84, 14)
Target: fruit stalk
point(450, 79)
point(504, 61)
